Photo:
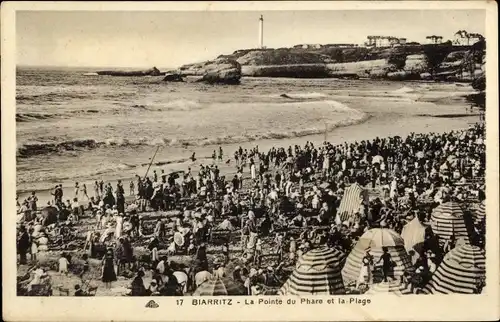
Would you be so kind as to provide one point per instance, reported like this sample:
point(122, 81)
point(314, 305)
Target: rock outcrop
point(149, 72)
point(173, 77)
point(218, 71)
point(222, 71)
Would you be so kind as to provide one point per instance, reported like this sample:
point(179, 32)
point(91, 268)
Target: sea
point(73, 125)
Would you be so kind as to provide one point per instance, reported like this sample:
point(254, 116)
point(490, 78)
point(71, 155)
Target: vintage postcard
point(222, 161)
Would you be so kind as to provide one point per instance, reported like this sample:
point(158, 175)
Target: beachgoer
point(84, 190)
point(108, 268)
point(63, 264)
point(77, 190)
point(365, 275)
point(387, 263)
point(78, 291)
point(132, 188)
point(23, 244)
point(137, 285)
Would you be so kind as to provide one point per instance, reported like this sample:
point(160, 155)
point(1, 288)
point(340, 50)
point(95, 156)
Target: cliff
point(443, 62)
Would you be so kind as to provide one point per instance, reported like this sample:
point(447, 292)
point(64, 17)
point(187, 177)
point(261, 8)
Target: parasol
point(377, 159)
point(220, 287)
point(179, 239)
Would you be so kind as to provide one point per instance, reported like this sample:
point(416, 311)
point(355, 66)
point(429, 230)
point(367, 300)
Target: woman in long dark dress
point(108, 268)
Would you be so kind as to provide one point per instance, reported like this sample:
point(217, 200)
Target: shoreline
point(378, 125)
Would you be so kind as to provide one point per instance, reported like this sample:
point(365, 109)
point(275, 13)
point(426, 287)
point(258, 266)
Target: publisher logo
point(152, 304)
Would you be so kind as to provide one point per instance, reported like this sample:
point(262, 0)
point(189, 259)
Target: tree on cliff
point(397, 59)
point(435, 55)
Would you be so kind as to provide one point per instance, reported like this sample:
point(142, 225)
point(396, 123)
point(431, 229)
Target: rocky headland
point(440, 62)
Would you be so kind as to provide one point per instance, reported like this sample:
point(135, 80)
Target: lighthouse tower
point(261, 32)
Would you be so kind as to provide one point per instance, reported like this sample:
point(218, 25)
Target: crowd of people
point(279, 205)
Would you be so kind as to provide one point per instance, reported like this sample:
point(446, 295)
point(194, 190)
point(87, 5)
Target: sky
point(170, 39)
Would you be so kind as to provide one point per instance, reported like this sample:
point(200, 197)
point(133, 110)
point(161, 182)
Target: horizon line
point(90, 67)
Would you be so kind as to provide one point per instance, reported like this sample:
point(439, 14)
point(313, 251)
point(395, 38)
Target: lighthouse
point(261, 32)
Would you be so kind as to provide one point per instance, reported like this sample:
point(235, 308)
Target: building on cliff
point(463, 38)
point(434, 39)
point(384, 41)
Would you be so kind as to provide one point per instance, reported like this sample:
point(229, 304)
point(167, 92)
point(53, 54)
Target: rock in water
point(149, 72)
point(173, 77)
point(426, 76)
point(222, 71)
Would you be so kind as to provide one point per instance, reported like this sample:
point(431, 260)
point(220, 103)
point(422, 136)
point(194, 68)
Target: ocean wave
point(312, 95)
point(35, 149)
point(69, 95)
point(404, 90)
point(27, 117)
point(51, 97)
point(175, 105)
point(179, 105)
point(32, 117)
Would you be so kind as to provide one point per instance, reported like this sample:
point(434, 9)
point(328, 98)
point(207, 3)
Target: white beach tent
point(354, 197)
point(413, 234)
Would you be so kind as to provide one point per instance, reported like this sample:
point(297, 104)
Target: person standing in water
point(75, 206)
point(32, 201)
point(77, 189)
point(101, 187)
point(132, 188)
point(96, 190)
point(220, 153)
point(84, 190)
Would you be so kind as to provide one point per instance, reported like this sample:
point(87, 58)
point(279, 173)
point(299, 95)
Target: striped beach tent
point(354, 197)
point(317, 273)
point(413, 234)
point(460, 271)
point(374, 239)
point(394, 287)
point(447, 220)
point(220, 287)
point(479, 214)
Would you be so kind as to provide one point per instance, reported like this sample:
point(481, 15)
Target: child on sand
point(63, 264)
